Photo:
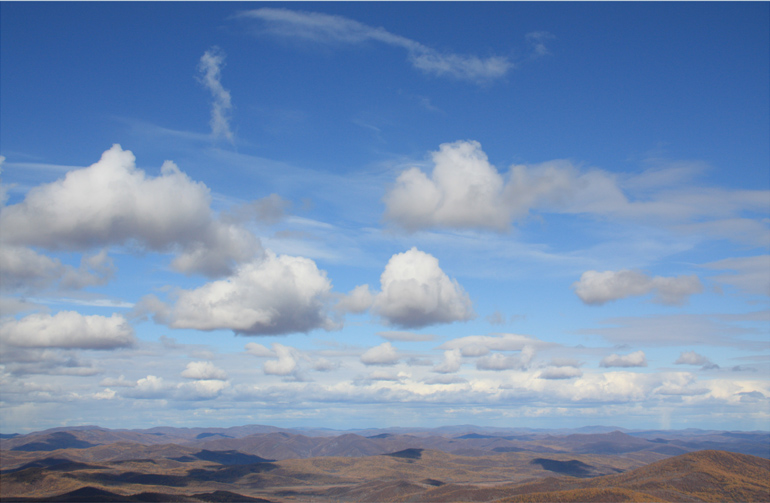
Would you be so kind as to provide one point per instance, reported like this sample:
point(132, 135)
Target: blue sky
point(385, 214)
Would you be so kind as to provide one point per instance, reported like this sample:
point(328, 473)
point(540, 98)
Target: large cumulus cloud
point(416, 293)
point(113, 202)
point(278, 294)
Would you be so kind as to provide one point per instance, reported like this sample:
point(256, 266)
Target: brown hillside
point(708, 476)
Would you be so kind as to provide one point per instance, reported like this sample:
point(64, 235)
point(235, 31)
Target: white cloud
point(358, 300)
point(23, 269)
point(597, 288)
point(204, 370)
point(752, 274)
point(204, 389)
point(416, 293)
point(276, 295)
point(67, 329)
point(384, 354)
point(453, 359)
point(325, 28)
point(635, 359)
point(384, 375)
point(465, 191)
point(693, 358)
point(286, 364)
point(114, 203)
point(480, 345)
point(256, 349)
point(553, 373)
point(210, 68)
point(150, 387)
point(499, 361)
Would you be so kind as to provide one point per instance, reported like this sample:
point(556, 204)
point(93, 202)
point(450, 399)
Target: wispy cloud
point(210, 69)
point(328, 29)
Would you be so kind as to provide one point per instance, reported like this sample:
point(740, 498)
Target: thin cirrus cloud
point(112, 202)
point(329, 29)
point(210, 70)
point(597, 288)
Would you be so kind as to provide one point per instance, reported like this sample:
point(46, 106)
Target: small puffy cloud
point(112, 202)
point(276, 295)
point(357, 301)
point(256, 349)
point(205, 389)
point(635, 359)
point(150, 387)
point(68, 329)
point(499, 361)
point(384, 354)
point(693, 358)
point(324, 365)
point(480, 345)
point(107, 394)
point(416, 293)
point(285, 365)
point(555, 373)
point(210, 69)
point(204, 370)
point(597, 288)
point(453, 359)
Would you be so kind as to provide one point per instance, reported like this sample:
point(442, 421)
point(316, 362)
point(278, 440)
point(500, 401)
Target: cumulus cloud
point(325, 28)
point(384, 354)
point(150, 387)
point(415, 292)
point(635, 359)
point(480, 345)
point(67, 329)
point(23, 269)
point(357, 301)
point(204, 370)
point(453, 359)
point(285, 365)
point(693, 358)
point(560, 373)
point(597, 288)
point(276, 295)
point(210, 69)
point(465, 191)
point(113, 203)
point(499, 361)
point(256, 349)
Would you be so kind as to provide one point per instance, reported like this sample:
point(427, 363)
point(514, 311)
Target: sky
point(351, 215)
